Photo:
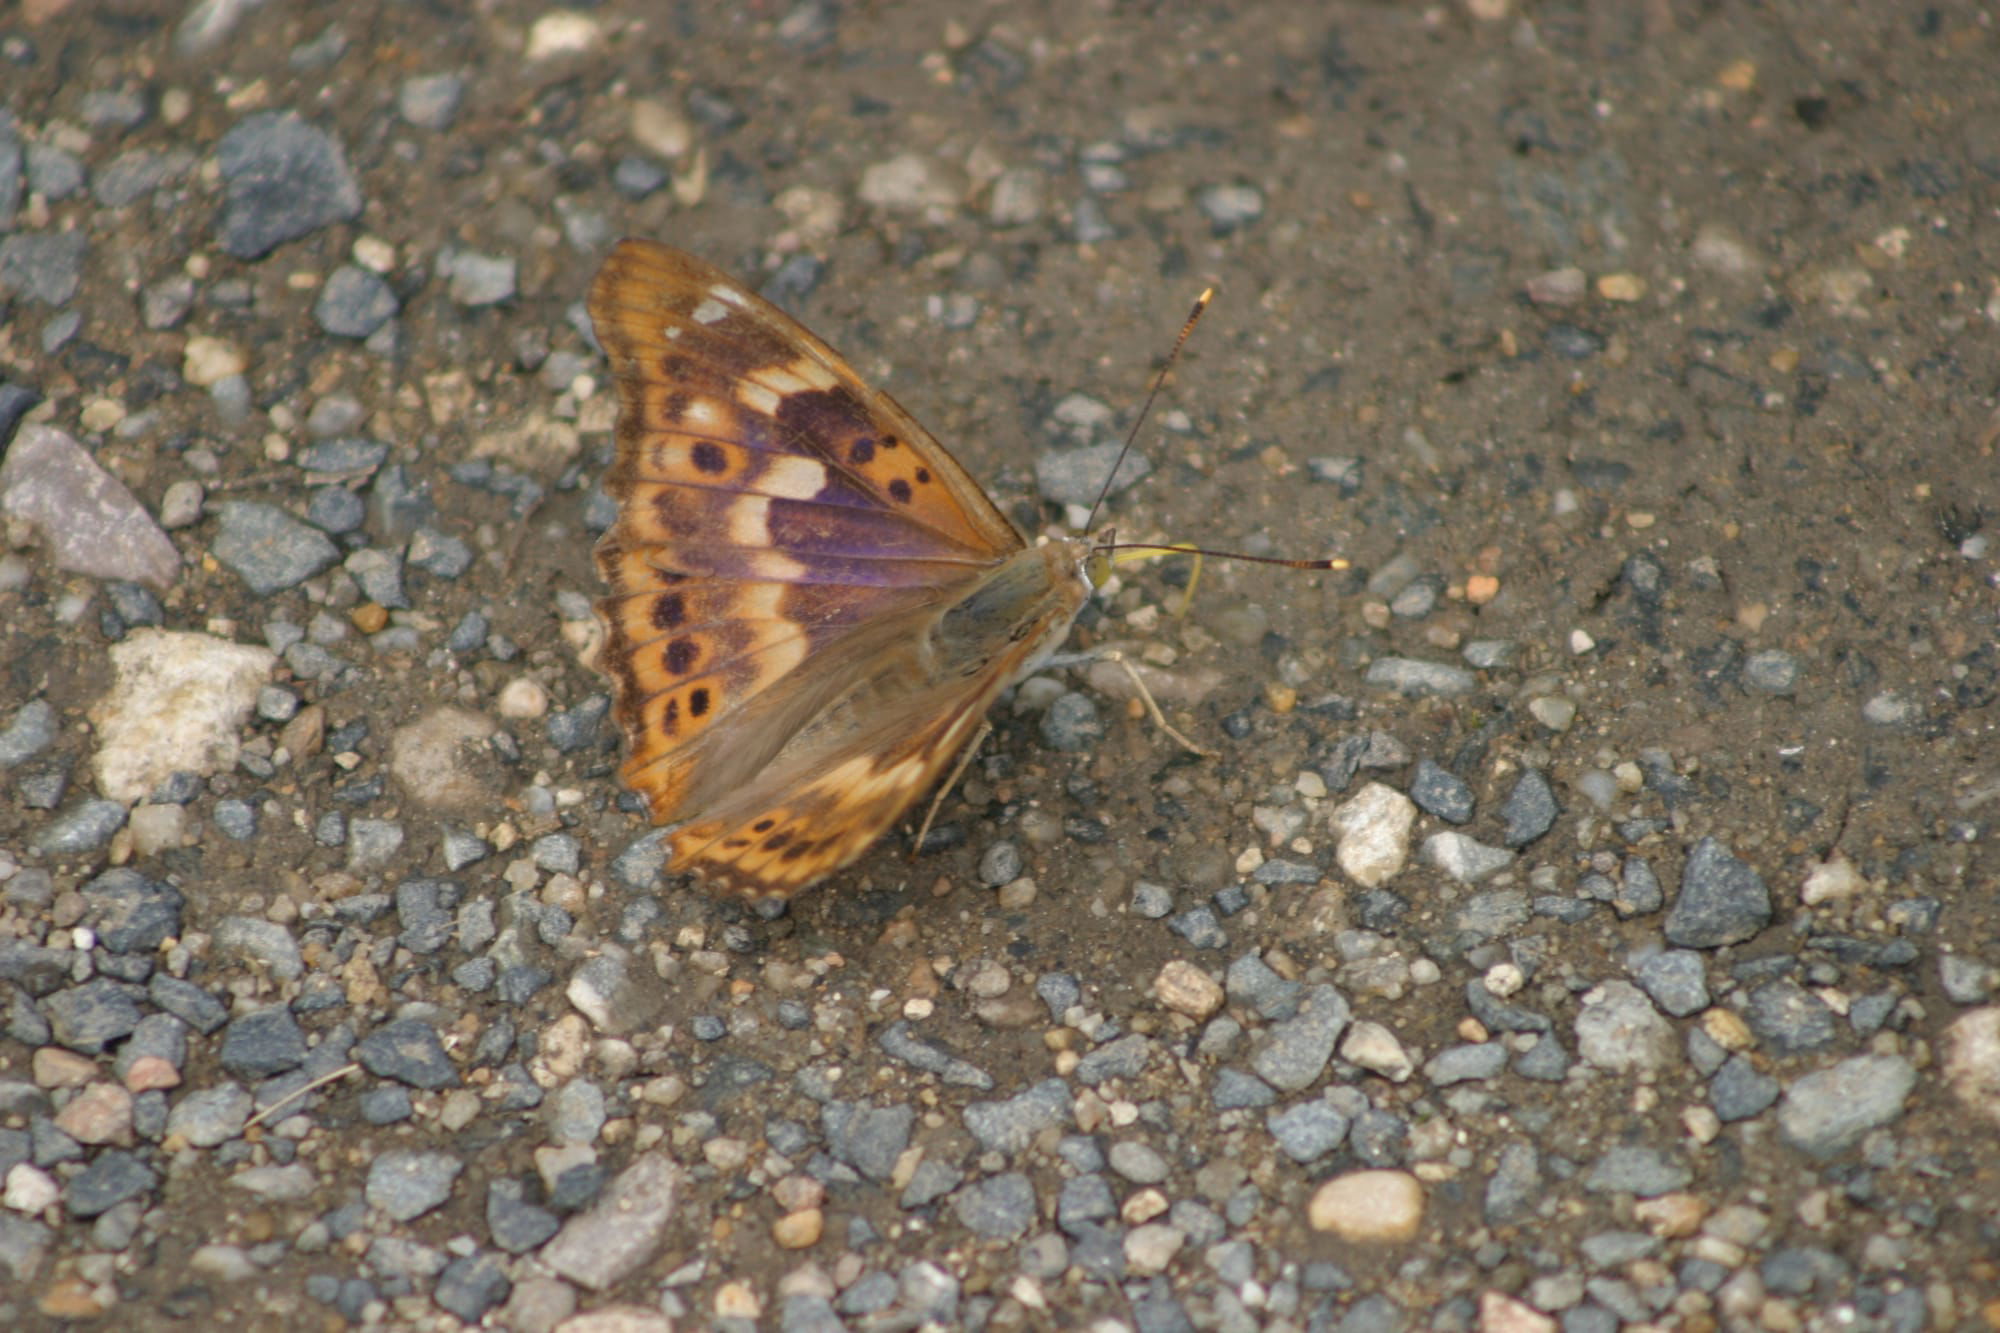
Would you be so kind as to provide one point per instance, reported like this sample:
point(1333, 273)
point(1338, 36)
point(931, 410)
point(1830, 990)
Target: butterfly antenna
point(1175, 548)
point(1146, 407)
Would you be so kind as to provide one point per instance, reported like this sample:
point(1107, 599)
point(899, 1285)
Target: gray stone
point(1740, 1090)
point(1722, 900)
point(1076, 476)
point(84, 828)
point(1826, 1113)
point(1530, 809)
point(42, 266)
point(266, 943)
point(622, 1230)
point(1009, 1126)
point(867, 1138)
point(112, 1178)
point(1788, 1018)
point(997, 1208)
point(1308, 1131)
point(407, 1050)
point(91, 522)
point(406, 1185)
point(129, 912)
point(901, 1042)
point(32, 730)
point(475, 279)
point(1441, 793)
point(1414, 679)
point(206, 1117)
point(269, 549)
point(430, 102)
point(1072, 724)
point(90, 1017)
point(283, 179)
point(1675, 980)
point(257, 1045)
point(516, 1225)
point(1636, 1169)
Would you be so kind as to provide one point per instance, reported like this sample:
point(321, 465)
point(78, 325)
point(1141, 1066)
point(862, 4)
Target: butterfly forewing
point(783, 531)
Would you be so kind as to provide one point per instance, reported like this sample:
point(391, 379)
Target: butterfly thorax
point(1013, 617)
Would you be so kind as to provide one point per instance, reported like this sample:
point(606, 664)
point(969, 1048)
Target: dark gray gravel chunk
point(472, 1285)
point(1639, 890)
point(89, 1017)
point(1010, 1126)
point(1516, 1184)
point(110, 1180)
point(85, 828)
point(42, 266)
point(1059, 991)
point(35, 969)
point(1072, 724)
point(425, 914)
point(1086, 1198)
point(406, 1185)
point(1123, 1058)
point(1294, 1053)
point(283, 179)
point(1236, 1090)
point(1802, 1270)
point(187, 1002)
point(900, 1042)
point(1199, 927)
point(1788, 1018)
point(1439, 792)
point(1468, 1063)
point(931, 1181)
point(210, 1116)
point(996, 1208)
point(516, 1225)
point(1378, 1137)
point(1530, 809)
point(1636, 1169)
point(269, 549)
point(407, 1050)
point(257, 1045)
point(129, 912)
point(1250, 980)
point(1308, 1131)
point(32, 730)
point(867, 1138)
point(1739, 1091)
point(1722, 900)
point(1675, 979)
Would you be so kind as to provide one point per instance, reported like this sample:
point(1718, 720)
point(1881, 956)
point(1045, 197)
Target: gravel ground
point(1589, 922)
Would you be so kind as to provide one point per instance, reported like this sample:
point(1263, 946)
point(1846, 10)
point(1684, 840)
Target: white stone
point(1619, 1030)
point(561, 32)
point(1464, 858)
point(175, 704)
point(1374, 833)
point(1375, 1048)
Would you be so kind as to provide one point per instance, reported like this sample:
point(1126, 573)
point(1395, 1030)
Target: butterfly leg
point(957, 772)
point(1152, 705)
point(1112, 655)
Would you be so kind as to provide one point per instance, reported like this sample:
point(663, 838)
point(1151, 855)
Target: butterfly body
point(811, 604)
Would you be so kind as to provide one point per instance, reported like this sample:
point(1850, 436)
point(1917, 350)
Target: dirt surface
point(1640, 358)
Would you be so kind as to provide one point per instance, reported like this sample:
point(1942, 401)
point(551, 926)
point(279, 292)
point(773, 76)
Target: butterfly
point(811, 605)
